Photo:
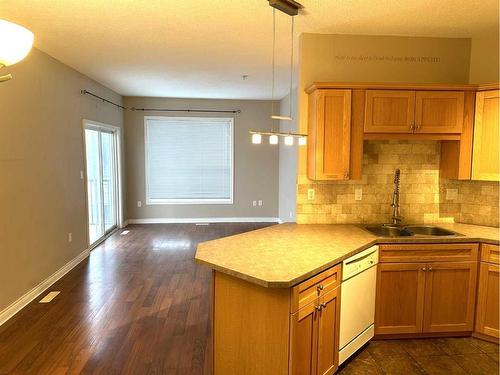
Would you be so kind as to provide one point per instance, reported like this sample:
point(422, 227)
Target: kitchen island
point(268, 314)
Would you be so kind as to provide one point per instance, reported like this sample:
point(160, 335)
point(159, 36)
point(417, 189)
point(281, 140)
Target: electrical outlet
point(260, 202)
point(358, 194)
point(139, 204)
point(254, 203)
point(81, 175)
point(70, 237)
point(310, 194)
point(451, 194)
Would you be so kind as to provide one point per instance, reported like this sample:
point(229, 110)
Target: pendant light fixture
point(291, 8)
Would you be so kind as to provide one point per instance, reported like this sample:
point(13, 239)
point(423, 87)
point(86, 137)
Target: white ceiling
point(201, 48)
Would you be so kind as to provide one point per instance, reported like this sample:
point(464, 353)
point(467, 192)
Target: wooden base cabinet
point(276, 331)
point(314, 337)
point(433, 296)
point(450, 293)
point(487, 312)
point(400, 298)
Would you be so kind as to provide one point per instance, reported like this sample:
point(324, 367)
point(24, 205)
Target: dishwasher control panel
point(359, 262)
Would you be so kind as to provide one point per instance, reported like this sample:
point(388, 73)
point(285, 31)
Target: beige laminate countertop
point(286, 254)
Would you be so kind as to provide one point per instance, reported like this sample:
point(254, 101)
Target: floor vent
point(49, 297)
point(124, 233)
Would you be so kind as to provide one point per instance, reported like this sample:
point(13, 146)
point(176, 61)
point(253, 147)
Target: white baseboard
point(124, 224)
point(18, 305)
point(205, 220)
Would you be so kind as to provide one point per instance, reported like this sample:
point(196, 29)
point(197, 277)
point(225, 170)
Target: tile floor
point(448, 356)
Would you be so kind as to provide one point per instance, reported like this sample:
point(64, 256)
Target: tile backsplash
point(476, 203)
point(422, 191)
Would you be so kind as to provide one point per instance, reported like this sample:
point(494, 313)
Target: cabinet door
point(450, 293)
point(389, 111)
point(329, 135)
point(328, 333)
point(487, 300)
point(439, 112)
point(304, 341)
point(485, 165)
point(400, 298)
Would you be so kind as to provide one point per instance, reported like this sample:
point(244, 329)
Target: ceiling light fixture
point(15, 44)
point(291, 8)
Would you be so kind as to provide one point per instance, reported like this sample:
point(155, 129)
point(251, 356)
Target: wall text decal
point(391, 58)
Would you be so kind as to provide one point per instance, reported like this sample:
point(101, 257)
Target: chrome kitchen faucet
point(396, 214)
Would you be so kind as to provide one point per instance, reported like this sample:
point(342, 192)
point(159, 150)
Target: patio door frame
point(116, 131)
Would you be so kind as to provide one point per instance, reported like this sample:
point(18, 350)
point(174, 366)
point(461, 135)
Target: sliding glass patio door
point(102, 181)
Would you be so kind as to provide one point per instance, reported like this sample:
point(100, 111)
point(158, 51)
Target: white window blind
point(189, 160)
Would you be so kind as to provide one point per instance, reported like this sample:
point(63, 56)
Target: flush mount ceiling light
point(291, 8)
point(15, 44)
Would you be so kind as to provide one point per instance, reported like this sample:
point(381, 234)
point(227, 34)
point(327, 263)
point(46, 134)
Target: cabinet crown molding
point(399, 86)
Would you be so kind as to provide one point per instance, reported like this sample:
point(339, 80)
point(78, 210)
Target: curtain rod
point(235, 111)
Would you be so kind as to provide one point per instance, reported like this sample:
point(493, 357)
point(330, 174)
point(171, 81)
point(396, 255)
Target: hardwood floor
point(138, 305)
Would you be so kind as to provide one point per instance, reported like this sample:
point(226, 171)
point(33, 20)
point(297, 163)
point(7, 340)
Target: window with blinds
point(189, 160)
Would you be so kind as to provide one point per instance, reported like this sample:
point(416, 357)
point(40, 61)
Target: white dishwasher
point(357, 301)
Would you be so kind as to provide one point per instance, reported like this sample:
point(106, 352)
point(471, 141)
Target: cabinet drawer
point(308, 291)
point(428, 253)
point(490, 253)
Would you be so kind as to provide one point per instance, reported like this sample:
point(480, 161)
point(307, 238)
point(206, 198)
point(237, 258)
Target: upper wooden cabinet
point(343, 115)
point(485, 163)
point(389, 111)
point(329, 134)
point(439, 112)
point(407, 111)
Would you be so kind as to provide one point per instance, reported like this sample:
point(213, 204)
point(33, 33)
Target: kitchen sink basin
point(388, 231)
point(429, 230)
point(408, 230)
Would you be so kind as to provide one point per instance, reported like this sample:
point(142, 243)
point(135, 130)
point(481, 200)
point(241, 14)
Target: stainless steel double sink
point(387, 230)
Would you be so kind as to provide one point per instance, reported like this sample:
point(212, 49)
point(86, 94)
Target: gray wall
point(255, 166)
point(42, 197)
point(288, 164)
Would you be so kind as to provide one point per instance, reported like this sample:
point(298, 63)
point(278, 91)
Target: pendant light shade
point(302, 141)
point(256, 139)
point(273, 139)
point(289, 140)
point(15, 42)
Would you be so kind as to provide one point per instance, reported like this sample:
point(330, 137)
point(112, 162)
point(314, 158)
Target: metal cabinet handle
point(320, 288)
point(412, 127)
point(430, 268)
point(424, 269)
point(323, 305)
point(346, 175)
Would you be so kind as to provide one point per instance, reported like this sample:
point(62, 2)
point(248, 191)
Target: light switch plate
point(358, 194)
point(451, 194)
point(310, 194)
